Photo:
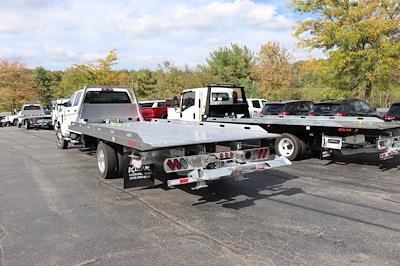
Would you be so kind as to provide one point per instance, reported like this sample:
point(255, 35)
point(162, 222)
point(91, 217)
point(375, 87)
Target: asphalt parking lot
point(54, 210)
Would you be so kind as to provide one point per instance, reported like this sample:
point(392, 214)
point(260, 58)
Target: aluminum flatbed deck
point(315, 121)
point(158, 134)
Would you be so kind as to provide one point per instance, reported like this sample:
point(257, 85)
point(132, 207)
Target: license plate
point(334, 143)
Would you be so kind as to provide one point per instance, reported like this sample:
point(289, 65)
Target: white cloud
point(212, 17)
point(57, 34)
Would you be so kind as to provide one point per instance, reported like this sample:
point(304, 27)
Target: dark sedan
point(287, 108)
point(394, 113)
point(350, 107)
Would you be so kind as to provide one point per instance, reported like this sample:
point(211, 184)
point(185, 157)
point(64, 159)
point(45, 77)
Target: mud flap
point(134, 177)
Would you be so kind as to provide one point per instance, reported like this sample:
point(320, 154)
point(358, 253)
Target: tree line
point(361, 41)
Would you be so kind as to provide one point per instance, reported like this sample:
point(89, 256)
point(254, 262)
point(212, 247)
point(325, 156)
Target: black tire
point(27, 125)
point(15, 122)
point(303, 146)
point(61, 142)
point(19, 125)
point(289, 146)
point(107, 160)
point(120, 172)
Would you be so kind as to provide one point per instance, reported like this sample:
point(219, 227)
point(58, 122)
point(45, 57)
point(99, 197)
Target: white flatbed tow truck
point(226, 103)
point(173, 152)
point(33, 116)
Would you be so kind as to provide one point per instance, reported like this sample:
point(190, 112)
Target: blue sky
point(58, 33)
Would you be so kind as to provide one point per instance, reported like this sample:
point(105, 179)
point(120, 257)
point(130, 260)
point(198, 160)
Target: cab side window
point(71, 100)
point(256, 104)
point(77, 98)
point(188, 100)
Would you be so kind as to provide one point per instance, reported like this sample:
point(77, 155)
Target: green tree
point(43, 81)
point(359, 37)
point(144, 82)
point(99, 73)
point(232, 65)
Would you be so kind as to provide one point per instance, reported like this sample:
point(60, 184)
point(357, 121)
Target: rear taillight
point(341, 114)
point(284, 113)
point(226, 155)
point(177, 164)
point(389, 117)
point(171, 165)
point(310, 114)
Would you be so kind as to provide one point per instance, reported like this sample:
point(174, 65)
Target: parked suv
point(350, 107)
point(394, 113)
point(287, 108)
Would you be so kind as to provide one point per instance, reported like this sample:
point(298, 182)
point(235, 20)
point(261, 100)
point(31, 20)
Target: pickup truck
point(256, 106)
point(166, 151)
point(10, 120)
point(33, 116)
point(153, 109)
point(57, 106)
point(226, 103)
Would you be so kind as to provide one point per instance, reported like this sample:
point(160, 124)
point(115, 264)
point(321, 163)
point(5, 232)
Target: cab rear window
point(31, 108)
point(104, 97)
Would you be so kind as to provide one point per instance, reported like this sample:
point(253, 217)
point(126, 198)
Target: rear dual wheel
point(290, 146)
point(27, 125)
point(109, 161)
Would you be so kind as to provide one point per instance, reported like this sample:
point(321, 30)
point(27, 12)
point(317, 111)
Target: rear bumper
point(391, 147)
point(201, 176)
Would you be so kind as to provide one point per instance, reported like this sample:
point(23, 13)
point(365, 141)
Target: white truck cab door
point(255, 107)
point(189, 110)
point(70, 112)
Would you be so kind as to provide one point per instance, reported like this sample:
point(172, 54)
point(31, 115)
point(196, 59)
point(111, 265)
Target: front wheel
point(61, 142)
point(289, 146)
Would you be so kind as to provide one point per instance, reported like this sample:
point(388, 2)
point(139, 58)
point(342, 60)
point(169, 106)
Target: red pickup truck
point(153, 109)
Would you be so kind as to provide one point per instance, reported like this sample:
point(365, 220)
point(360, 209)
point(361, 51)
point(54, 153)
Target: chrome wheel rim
point(286, 147)
point(59, 138)
point(101, 161)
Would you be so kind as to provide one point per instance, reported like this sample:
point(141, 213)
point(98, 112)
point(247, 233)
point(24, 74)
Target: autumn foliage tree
point(99, 73)
point(272, 71)
point(16, 87)
point(359, 37)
